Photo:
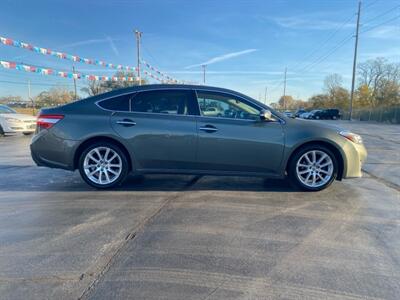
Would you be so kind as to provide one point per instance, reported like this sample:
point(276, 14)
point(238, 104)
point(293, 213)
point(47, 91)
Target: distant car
point(213, 112)
point(299, 112)
point(313, 113)
point(110, 135)
point(304, 115)
point(327, 114)
point(289, 114)
point(13, 122)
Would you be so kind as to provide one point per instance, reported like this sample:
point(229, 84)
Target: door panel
point(160, 128)
point(158, 141)
point(233, 138)
point(240, 146)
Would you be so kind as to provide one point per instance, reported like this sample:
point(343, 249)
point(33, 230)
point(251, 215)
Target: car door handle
point(208, 128)
point(126, 122)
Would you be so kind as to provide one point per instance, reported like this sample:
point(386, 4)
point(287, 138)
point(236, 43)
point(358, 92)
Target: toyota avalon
point(169, 129)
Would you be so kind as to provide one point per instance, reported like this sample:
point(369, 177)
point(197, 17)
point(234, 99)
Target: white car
point(13, 122)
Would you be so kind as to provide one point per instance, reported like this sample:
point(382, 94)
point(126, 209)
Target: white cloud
point(385, 32)
point(86, 42)
point(222, 57)
point(112, 45)
point(310, 23)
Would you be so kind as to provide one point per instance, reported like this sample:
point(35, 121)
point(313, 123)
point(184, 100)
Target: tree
point(286, 102)
point(382, 79)
point(99, 87)
point(54, 97)
point(338, 96)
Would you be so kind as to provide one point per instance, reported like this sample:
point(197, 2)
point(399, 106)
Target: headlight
point(13, 120)
point(355, 138)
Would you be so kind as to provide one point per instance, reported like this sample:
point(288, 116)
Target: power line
point(380, 24)
point(329, 38)
point(382, 14)
point(322, 58)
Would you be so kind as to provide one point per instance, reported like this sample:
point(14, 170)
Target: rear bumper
point(50, 151)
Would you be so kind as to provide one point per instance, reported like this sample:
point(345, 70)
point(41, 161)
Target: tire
point(1, 131)
point(303, 174)
point(105, 171)
point(27, 133)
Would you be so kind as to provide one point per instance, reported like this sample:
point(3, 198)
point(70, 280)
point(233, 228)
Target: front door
point(160, 128)
point(232, 138)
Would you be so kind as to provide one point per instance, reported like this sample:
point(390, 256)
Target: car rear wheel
point(1, 131)
point(103, 165)
point(313, 168)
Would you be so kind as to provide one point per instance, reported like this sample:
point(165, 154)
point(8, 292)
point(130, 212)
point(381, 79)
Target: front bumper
point(355, 156)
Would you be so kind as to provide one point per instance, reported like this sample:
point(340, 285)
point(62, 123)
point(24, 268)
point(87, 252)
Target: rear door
point(160, 128)
point(235, 139)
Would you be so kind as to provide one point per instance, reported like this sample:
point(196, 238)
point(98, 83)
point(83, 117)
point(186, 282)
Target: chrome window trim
point(140, 112)
point(279, 119)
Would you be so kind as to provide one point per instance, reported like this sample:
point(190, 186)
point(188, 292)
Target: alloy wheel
point(314, 168)
point(102, 165)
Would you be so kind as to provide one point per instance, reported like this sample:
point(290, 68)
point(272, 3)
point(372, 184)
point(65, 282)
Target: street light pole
point(204, 73)
point(138, 38)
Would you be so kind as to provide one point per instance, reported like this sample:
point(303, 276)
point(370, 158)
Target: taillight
point(48, 121)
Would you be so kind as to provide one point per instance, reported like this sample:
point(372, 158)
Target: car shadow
point(28, 178)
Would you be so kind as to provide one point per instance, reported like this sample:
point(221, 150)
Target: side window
point(225, 106)
point(119, 103)
point(172, 102)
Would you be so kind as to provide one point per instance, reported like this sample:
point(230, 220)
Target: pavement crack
point(133, 233)
point(383, 181)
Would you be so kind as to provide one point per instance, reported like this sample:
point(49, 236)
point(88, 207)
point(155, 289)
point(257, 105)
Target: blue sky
point(247, 44)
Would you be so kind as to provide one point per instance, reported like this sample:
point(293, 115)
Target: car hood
point(21, 117)
point(316, 124)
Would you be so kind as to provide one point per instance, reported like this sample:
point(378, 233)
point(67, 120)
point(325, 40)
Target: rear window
point(173, 102)
point(119, 103)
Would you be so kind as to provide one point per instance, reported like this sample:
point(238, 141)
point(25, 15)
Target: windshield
point(6, 110)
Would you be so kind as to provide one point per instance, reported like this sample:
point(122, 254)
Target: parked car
point(327, 114)
point(299, 112)
point(312, 114)
point(305, 115)
point(289, 114)
point(213, 112)
point(110, 135)
point(13, 122)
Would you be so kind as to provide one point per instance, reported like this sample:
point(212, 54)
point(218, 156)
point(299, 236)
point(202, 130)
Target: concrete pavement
point(187, 237)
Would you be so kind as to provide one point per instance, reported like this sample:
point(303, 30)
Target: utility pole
point(30, 97)
point(284, 90)
point(204, 73)
point(354, 61)
point(265, 95)
point(73, 73)
point(138, 39)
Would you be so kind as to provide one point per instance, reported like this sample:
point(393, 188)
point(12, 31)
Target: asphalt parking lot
point(188, 237)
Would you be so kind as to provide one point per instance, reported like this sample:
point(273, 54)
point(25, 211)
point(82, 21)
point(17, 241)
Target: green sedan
point(170, 129)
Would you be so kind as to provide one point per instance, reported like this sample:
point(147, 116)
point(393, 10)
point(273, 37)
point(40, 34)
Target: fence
point(377, 114)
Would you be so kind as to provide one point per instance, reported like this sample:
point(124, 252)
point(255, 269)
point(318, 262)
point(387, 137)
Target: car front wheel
point(103, 165)
point(313, 168)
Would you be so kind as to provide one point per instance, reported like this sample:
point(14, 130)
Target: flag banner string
point(152, 76)
point(168, 78)
point(74, 75)
point(62, 55)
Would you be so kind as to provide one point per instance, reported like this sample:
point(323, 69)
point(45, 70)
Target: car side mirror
point(266, 115)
